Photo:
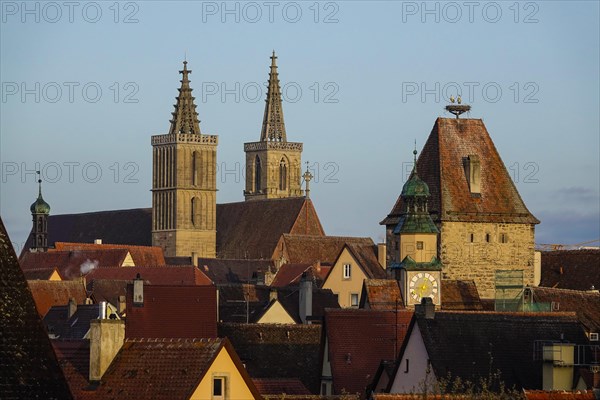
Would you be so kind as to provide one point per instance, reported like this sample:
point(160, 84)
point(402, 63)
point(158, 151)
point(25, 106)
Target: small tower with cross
point(307, 176)
point(40, 210)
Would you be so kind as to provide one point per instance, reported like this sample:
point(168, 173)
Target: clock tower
point(420, 270)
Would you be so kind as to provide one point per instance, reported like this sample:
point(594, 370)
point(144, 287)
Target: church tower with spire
point(273, 164)
point(184, 182)
point(40, 210)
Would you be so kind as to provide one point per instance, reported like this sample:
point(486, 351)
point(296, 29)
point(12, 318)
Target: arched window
point(195, 211)
point(257, 174)
point(282, 174)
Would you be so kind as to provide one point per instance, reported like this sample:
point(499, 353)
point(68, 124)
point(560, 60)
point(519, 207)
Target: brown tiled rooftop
point(307, 249)
point(74, 359)
point(440, 165)
point(141, 255)
point(280, 386)
point(157, 275)
point(460, 295)
point(56, 293)
point(358, 341)
point(571, 269)
point(223, 271)
point(381, 294)
point(559, 395)
point(40, 273)
point(172, 312)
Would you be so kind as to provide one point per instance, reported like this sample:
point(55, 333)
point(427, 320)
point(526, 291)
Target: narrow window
point(354, 299)
point(218, 388)
point(195, 211)
point(282, 174)
point(257, 174)
point(347, 271)
point(406, 367)
point(503, 238)
point(472, 237)
point(419, 245)
point(194, 168)
point(488, 237)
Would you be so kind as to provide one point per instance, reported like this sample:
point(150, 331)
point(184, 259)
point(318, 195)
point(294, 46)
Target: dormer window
point(472, 167)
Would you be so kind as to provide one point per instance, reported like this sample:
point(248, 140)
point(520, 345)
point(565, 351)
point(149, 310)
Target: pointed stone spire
point(185, 118)
point(273, 128)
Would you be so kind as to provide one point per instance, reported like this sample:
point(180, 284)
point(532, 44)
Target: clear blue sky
point(364, 80)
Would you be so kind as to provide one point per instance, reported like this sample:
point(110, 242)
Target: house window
point(419, 245)
point(488, 237)
point(347, 271)
point(218, 392)
point(354, 299)
point(503, 238)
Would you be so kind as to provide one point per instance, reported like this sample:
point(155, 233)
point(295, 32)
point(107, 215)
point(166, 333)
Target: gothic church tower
point(184, 182)
point(273, 164)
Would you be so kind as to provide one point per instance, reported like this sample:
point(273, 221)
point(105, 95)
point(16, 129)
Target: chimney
point(122, 305)
point(194, 259)
point(272, 294)
point(318, 266)
point(426, 308)
point(97, 241)
point(306, 292)
point(106, 338)
point(72, 307)
point(558, 367)
point(381, 255)
point(138, 291)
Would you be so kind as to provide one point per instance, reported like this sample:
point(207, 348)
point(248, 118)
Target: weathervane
point(307, 177)
point(457, 109)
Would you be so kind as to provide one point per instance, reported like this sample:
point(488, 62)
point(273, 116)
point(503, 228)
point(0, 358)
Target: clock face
point(422, 285)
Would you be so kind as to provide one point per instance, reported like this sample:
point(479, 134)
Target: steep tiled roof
point(28, 367)
point(233, 307)
point(278, 351)
point(107, 290)
point(366, 257)
point(358, 341)
point(251, 229)
point(289, 274)
point(163, 369)
point(72, 264)
point(131, 227)
point(142, 255)
point(160, 275)
point(60, 325)
point(381, 294)
point(56, 293)
point(585, 304)
point(441, 166)
point(234, 271)
point(571, 269)
point(471, 344)
point(74, 359)
point(307, 249)
point(40, 273)
point(559, 395)
point(460, 295)
point(280, 386)
point(172, 312)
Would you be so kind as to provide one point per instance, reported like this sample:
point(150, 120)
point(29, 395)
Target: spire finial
point(273, 128)
point(185, 118)
point(415, 158)
point(39, 174)
point(307, 178)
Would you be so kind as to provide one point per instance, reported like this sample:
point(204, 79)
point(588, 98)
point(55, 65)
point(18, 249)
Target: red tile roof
point(381, 294)
point(358, 341)
point(290, 274)
point(571, 269)
point(74, 359)
point(173, 312)
point(460, 295)
point(28, 366)
point(366, 256)
point(440, 165)
point(56, 293)
point(159, 275)
point(280, 386)
point(39, 273)
point(559, 395)
point(163, 369)
point(235, 271)
point(142, 255)
point(251, 229)
point(306, 249)
point(72, 264)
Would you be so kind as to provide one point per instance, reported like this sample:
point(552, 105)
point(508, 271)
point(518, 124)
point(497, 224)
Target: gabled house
point(42, 274)
point(381, 294)
point(176, 369)
point(356, 342)
point(353, 264)
point(478, 345)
